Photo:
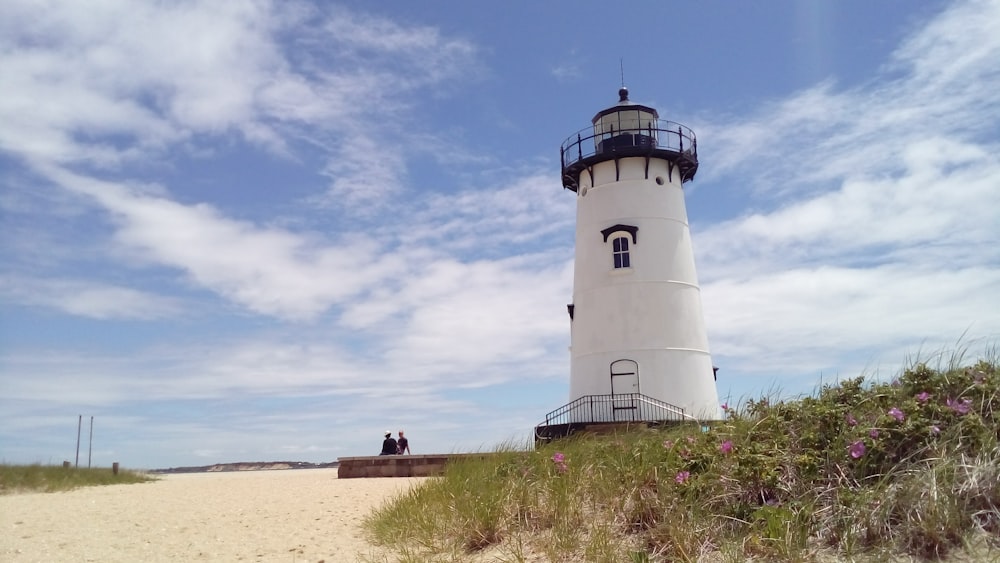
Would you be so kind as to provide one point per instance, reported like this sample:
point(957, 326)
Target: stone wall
point(396, 465)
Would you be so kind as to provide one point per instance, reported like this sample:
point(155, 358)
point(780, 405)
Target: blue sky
point(271, 230)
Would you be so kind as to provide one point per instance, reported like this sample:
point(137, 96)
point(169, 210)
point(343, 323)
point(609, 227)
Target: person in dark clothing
point(402, 444)
point(388, 445)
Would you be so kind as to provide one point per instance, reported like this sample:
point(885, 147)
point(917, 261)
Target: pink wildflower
point(857, 449)
point(851, 421)
point(690, 439)
point(873, 433)
point(682, 476)
point(667, 444)
point(960, 407)
point(561, 468)
point(923, 396)
point(726, 447)
point(558, 457)
point(725, 406)
point(897, 414)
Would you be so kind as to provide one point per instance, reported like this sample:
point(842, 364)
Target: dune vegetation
point(906, 470)
point(54, 478)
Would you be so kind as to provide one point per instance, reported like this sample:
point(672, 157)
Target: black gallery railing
point(663, 135)
point(625, 407)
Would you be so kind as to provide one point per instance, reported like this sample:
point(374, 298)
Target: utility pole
point(90, 447)
point(79, 426)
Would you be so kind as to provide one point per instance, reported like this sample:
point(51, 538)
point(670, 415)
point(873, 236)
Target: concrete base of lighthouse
point(547, 432)
point(604, 414)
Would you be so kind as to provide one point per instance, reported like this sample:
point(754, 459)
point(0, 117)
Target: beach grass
point(54, 478)
point(863, 471)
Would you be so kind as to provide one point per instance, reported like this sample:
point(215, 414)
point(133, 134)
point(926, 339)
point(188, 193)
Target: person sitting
point(402, 444)
point(388, 445)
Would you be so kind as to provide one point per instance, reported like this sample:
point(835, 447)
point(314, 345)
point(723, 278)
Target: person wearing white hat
point(389, 444)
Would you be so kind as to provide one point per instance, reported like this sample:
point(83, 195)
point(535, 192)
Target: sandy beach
point(291, 515)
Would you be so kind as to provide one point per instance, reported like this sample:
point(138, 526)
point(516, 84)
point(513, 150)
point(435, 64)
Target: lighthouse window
point(620, 246)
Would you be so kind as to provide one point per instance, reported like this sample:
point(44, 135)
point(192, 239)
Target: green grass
point(53, 478)
point(775, 481)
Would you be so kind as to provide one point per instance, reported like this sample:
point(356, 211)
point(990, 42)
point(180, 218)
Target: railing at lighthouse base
point(603, 413)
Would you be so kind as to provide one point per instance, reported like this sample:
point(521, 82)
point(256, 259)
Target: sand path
point(291, 515)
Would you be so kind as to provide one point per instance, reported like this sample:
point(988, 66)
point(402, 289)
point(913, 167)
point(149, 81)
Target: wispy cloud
point(89, 299)
point(940, 84)
point(875, 208)
point(114, 94)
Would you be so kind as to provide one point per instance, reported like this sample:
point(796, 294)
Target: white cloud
point(942, 84)
point(800, 321)
point(877, 210)
point(88, 299)
point(268, 270)
point(117, 82)
point(93, 83)
point(939, 198)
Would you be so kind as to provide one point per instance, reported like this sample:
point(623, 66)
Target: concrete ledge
point(397, 465)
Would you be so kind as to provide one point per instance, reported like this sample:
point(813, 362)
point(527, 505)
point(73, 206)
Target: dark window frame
point(620, 251)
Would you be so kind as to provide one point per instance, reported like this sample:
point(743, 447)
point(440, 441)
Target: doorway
point(624, 389)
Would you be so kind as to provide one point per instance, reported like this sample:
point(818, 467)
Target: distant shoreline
point(247, 466)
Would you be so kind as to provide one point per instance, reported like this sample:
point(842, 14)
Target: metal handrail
point(664, 135)
point(603, 407)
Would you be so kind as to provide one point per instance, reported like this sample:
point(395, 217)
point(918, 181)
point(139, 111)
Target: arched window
point(619, 236)
point(620, 246)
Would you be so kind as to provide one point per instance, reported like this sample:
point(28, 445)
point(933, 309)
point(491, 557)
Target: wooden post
point(66, 464)
point(114, 468)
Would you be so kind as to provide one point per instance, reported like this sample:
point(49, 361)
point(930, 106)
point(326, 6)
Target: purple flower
point(726, 447)
point(923, 396)
point(851, 421)
point(873, 433)
point(558, 457)
point(897, 414)
point(690, 439)
point(960, 407)
point(857, 449)
point(895, 383)
point(725, 406)
point(682, 476)
point(561, 468)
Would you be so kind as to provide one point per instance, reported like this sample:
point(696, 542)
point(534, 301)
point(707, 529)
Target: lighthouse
point(639, 349)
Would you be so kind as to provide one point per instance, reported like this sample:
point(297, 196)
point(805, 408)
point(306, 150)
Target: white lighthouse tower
point(639, 349)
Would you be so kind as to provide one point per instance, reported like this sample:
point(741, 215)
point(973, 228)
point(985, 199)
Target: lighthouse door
point(624, 389)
